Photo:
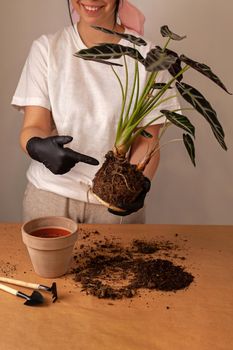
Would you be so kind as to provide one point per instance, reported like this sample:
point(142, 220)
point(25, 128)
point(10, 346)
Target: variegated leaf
point(157, 60)
point(179, 120)
point(106, 62)
point(198, 101)
point(129, 37)
point(175, 67)
point(205, 70)
point(166, 32)
point(160, 86)
point(189, 145)
point(109, 51)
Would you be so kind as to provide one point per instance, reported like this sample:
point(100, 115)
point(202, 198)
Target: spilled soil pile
point(109, 270)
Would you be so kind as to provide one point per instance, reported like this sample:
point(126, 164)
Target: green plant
point(140, 105)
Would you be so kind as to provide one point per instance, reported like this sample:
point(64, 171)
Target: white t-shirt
point(85, 100)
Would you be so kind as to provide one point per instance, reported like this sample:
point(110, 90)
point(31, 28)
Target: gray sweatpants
point(38, 203)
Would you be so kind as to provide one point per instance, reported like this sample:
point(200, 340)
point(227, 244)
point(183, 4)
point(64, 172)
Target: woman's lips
point(91, 9)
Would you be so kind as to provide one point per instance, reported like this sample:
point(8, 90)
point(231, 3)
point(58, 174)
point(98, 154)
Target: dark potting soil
point(117, 182)
point(109, 270)
point(50, 232)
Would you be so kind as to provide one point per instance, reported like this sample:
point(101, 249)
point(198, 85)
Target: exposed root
point(126, 183)
point(117, 182)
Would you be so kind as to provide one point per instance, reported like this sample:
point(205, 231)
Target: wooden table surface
point(197, 318)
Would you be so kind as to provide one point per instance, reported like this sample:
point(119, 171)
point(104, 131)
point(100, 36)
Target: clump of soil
point(146, 247)
point(112, 271)
point(161, 275)
point(117, 182)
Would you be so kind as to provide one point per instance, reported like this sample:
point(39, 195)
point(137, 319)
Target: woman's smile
point(91, 9)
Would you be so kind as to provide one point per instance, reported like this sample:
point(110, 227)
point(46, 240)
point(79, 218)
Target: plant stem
point(126, 134)
point(184, 109)
point(164, 144)
point(141, 166)
point(138, 85)
point(152, 104)
point(156, 105)
point(163, 130)
point(122, 105)
point(126, 80)
point(166, 45)
point(167, 124)
point(145, 92)
point(132, 95)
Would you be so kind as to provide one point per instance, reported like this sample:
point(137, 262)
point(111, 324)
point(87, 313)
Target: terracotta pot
point(50, 256)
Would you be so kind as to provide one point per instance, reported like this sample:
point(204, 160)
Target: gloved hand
point(58, 159)
point(137, 204)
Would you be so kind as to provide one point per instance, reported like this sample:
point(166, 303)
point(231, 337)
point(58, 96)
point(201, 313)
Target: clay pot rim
point(49, 238)
point(29, 235)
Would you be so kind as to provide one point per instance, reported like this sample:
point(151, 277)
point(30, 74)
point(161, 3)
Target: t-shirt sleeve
point(32, 88)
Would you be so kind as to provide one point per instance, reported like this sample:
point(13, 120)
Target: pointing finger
point(79, 157)
point(63, 140)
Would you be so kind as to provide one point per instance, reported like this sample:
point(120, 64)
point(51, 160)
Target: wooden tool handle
point(8, 289)
point(19, 283)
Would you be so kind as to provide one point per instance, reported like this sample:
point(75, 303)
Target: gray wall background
point(180, 193)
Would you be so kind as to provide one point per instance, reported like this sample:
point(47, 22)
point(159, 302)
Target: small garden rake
point(52, 289)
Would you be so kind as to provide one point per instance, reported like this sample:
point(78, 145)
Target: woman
point(66, 100)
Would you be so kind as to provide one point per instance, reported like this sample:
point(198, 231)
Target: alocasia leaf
point(205, 70)
point(179, 120)
point(189, 145)
point(198, 101)
point(109, 51)
point(129, 37)
point(157, 60)
point(166, 32)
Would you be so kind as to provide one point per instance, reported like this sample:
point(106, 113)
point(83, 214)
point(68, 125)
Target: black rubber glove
point(137, 204)
point(58, 159)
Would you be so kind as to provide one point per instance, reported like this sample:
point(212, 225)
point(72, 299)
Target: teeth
point(91, 8)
